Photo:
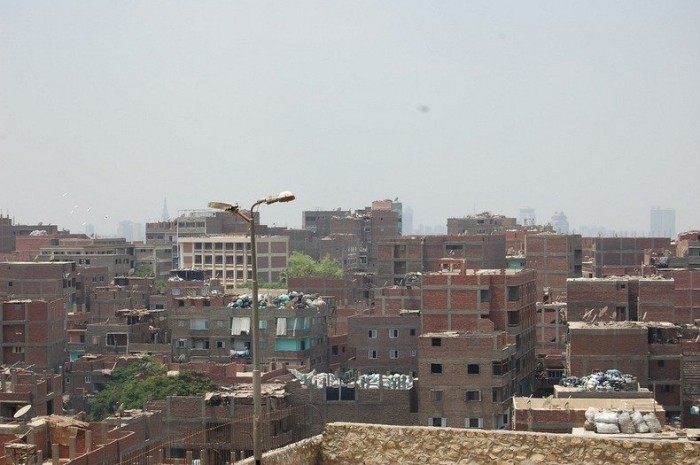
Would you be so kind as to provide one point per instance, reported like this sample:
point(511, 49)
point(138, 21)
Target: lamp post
point(285, 196)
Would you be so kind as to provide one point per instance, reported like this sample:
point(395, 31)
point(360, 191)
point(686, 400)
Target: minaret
point(166, 216)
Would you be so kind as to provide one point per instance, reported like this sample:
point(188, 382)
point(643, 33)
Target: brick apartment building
point(228, 258)
point(22, 384)
point(664, 357)
point(7, 239)
point(368, 226)
point(33, 333)
point(47, 281)
point(413, 254)
point(466, 378)
point(353, 403)
point(206, 329)
point(482, 223)
point(115, 254)
point(688, 247)
point(675, 298)
point(621, 251)
point(555, 257)
point(385, 343)
point(479, 327)
point(125, 293)
point(551, 330)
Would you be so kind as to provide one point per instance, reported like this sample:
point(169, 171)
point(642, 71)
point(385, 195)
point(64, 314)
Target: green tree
point(143, 271)
point(146, 379)
point(330, 268)
point(301, 265)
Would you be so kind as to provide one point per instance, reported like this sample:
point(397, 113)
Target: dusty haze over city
point(591, 108)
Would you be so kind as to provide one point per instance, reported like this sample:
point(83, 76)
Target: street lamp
point(285, 196)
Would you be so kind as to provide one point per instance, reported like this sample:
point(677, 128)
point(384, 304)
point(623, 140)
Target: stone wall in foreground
point(357, 444)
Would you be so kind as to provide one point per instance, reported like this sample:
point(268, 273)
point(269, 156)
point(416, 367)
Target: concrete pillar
point(72, 444)
point(149, 460)
point(203, 457)
point(188, 457)
point(104, 430)
point(55, 454)
point(88, 440)
point(40, 457)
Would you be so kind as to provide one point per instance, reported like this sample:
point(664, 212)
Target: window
point(88, 379)
point(67, 379)
point(436, 368)
point(18, 349)
point(435, 396)
point(220, 323)
point(513, 293)
point(436, 342)
point(472, 395)
point(412, 331)
point(220, 345)
point(496, 395)
point(199, 324)
point(181, 343)
point(393, 354)
point(371, 354)
point(334, 350)
point(660, 363)
point(472, 369)
point(667, 388)
point(372, 334)
point(393, 333)
point(473, 422)
point(175, 291)
point(485, 295)
point(262, 324)
point(437, 421)
point(413, 352)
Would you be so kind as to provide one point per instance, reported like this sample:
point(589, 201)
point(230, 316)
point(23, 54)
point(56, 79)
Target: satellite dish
point(21, 412)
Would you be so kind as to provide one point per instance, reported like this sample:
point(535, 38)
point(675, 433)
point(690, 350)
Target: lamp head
point(285, 196)
point(224, 206)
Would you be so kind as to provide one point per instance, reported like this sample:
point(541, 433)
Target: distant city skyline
point(587, 108)
point(134, 229)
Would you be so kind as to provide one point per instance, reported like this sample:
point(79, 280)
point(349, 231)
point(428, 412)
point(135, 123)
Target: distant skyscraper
point(560, 223)
point(407, 221)
point(662, 222)
point(526, 216)
point(166, 216)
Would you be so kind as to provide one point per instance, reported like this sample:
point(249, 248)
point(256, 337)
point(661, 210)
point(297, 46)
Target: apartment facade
point(33, 332)
point(228, 257)
point(466, 378)
point(418, 254)
point(555, 257)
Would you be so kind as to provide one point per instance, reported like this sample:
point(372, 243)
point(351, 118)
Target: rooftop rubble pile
point(611, 380)
point(622, 421)
point(290, 300)
point(372, 381)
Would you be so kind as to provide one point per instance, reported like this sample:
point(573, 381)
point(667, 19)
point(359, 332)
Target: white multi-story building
point(228, 257)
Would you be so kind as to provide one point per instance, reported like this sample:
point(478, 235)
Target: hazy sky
point(590, 107)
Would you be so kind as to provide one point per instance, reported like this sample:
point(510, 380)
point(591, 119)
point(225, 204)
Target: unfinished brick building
point(419, 254)
point(33, 332)
point(487, 316)
point(675, 299)
point(664, 357)
point(616, 251)
point(482, 223)
point(555, 257)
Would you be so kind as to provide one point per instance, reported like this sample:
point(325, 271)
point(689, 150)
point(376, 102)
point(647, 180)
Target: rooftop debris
point(366, 381)
point(291, 300)
point(611, 380)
